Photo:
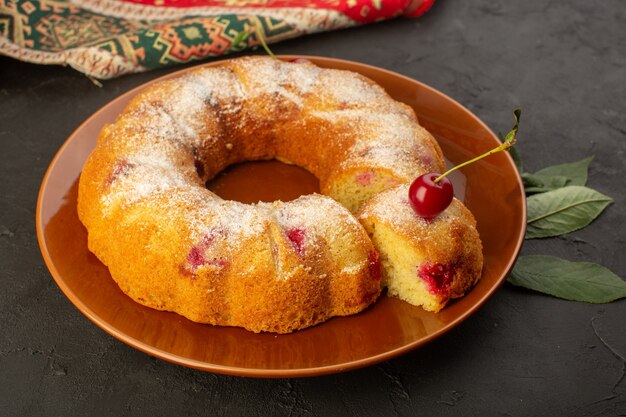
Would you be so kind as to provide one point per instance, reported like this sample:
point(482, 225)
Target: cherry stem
point(509, 141)
point(259, 32)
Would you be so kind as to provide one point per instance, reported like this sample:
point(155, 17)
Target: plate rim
point(260, 372)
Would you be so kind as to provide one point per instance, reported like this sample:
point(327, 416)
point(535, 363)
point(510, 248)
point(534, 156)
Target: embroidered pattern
point(108, 38)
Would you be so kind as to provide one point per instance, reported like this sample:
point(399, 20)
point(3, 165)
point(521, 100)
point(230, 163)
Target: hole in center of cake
point(254, 181)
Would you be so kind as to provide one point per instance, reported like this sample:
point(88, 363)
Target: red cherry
point(429, 198)
point(299, 60)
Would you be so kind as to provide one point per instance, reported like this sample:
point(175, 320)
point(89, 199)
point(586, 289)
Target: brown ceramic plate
point(493, 192)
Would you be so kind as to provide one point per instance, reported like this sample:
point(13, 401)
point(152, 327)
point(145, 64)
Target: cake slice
point(424, 262)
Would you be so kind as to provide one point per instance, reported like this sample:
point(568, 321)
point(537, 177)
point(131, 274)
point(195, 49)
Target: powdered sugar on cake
point(393, 207)
point(170, 127)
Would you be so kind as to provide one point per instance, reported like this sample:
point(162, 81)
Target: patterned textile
point(108, 38)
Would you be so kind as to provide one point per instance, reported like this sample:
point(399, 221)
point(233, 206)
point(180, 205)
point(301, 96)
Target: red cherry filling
point(374, 265)
point(197, 255)
point(296, 236)
point(429, 198)
point(437, 277)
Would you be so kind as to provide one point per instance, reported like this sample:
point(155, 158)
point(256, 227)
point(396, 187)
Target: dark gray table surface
point(522, 354)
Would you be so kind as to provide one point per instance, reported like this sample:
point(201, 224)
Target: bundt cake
point(425, 262)
point(171, 244)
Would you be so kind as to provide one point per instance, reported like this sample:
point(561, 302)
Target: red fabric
point(362, 11)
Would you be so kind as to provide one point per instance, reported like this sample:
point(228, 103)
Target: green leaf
point(556, 176)
point(577, 281)
point(563, 210)
point(575, 172)
point(529, 180)
point(534, 184)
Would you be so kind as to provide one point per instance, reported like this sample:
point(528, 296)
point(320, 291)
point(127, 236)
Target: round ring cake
point(171, 244)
